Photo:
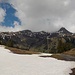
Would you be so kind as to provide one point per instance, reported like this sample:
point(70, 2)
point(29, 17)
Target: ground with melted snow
point(14, 64)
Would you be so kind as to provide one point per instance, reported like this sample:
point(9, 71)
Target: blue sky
point(10, 15)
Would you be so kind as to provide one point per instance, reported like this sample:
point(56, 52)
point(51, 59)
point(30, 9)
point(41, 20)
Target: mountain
point(64, 31)
point(61, 33)
point(39, 41)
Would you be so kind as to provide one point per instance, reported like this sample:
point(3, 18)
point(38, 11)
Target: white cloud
point(48, 15)
point(11, 29)
point(2, 14)
point(67, 2)
point(16, 23)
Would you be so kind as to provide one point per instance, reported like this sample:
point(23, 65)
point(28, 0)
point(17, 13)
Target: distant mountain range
point(39, 41)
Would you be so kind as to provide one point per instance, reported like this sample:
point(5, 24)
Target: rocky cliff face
point(39, 41)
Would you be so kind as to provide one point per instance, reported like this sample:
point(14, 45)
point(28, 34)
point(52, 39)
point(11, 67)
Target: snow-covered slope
point(14, 64)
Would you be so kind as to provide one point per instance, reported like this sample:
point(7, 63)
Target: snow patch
point(14, 64)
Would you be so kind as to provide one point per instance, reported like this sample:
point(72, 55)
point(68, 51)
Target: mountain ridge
point(64, 30)
point(39, 41)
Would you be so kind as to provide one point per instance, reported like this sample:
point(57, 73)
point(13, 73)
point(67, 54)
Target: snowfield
point(14, 64)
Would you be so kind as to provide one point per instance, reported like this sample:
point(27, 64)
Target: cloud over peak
point(47, 15)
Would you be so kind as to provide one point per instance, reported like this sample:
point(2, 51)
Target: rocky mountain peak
point(64, 30)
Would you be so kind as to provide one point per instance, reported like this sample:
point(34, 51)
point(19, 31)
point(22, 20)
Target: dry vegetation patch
point(20, 51)
point(70, 52)
point(57, 56)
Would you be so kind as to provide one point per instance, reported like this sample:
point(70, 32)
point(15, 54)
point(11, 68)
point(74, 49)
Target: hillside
point(57, 42)
point(70, 52)
point(68, 55)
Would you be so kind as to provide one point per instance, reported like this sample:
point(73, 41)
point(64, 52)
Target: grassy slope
point(19, 51)
point(57, 56)
point(70, 52)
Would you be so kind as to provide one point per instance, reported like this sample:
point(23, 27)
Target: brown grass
point(57, 56)
point(19, 51)
point(70, 52)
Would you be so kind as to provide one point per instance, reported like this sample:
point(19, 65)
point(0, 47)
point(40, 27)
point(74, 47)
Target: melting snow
point(14, 64)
